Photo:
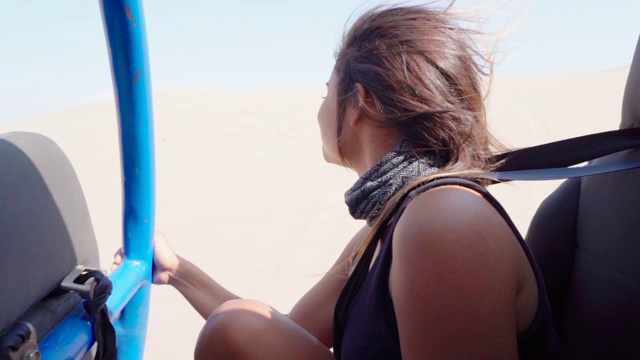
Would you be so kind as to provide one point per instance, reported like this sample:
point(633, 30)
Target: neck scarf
point(401, 166)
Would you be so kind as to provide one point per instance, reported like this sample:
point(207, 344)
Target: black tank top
point(365, 323)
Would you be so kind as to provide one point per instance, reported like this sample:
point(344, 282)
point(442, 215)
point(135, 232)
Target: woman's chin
point(331, 158)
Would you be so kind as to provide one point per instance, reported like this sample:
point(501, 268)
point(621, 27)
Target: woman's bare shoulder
point(452, 212)
point(453, 254)
point(454, 230)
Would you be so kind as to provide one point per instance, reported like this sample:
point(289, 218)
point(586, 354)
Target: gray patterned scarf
point(400, 167)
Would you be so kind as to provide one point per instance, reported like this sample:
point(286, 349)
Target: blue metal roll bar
point(124, 26)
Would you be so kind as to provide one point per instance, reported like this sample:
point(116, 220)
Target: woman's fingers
point(117, 259)
point(165, 259)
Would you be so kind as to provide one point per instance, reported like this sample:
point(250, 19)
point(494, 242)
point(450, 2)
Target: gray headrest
point(45, 229)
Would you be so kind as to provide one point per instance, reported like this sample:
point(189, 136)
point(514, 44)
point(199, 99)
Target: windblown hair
point(422, 75)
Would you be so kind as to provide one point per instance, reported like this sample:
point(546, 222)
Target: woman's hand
point(165, 260)
point(202, 292)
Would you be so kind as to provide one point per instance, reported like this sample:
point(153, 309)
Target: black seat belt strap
point(552, 161)
point(569, 152)
point(95, 287)
point(557, 173)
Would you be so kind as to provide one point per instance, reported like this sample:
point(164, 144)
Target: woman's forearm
point(202, 292)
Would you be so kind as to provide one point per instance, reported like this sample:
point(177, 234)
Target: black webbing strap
point(551, 161)
point(95, 287)
point(15, 340)
point(20, 341)
point(569, 152)
point(557, 173)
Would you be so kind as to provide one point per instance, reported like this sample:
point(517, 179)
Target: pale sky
point(53, 53)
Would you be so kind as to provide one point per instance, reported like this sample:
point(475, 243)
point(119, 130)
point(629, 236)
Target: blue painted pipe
point(128, 305)
point(124, 25)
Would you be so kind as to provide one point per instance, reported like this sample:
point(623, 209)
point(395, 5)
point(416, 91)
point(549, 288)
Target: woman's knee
point(231, 327)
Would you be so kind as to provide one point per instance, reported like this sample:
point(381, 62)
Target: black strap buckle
point(86, 289)
point(95, 287)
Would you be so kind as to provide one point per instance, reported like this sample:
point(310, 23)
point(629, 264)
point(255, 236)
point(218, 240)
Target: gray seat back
point(586, 240)
point(45, 228)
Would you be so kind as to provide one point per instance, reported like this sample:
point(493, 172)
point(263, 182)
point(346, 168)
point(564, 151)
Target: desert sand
point(243, 191)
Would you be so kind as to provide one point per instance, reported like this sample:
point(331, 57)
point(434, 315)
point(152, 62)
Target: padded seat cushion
point(586, 240)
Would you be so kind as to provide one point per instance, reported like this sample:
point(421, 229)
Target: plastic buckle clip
point(85, 290)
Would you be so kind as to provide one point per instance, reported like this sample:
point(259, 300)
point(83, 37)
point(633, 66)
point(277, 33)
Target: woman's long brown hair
point(423, 78)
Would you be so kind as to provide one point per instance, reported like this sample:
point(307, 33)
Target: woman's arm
point(202, 292)
point(454, 279)
point(314, 311)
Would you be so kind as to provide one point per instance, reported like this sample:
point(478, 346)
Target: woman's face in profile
point(328, 121)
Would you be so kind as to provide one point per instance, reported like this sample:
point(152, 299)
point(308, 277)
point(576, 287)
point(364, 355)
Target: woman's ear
point(356, 108)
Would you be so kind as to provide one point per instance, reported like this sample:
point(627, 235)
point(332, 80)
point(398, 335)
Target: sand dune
point(243, 191)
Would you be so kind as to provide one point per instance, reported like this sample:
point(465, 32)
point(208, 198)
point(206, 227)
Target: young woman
point(439, 271)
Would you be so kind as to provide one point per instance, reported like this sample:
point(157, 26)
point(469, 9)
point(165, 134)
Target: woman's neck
point(397, 168)
point(372, 150)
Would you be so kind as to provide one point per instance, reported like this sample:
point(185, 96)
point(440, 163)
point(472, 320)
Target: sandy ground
point(243, 191)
